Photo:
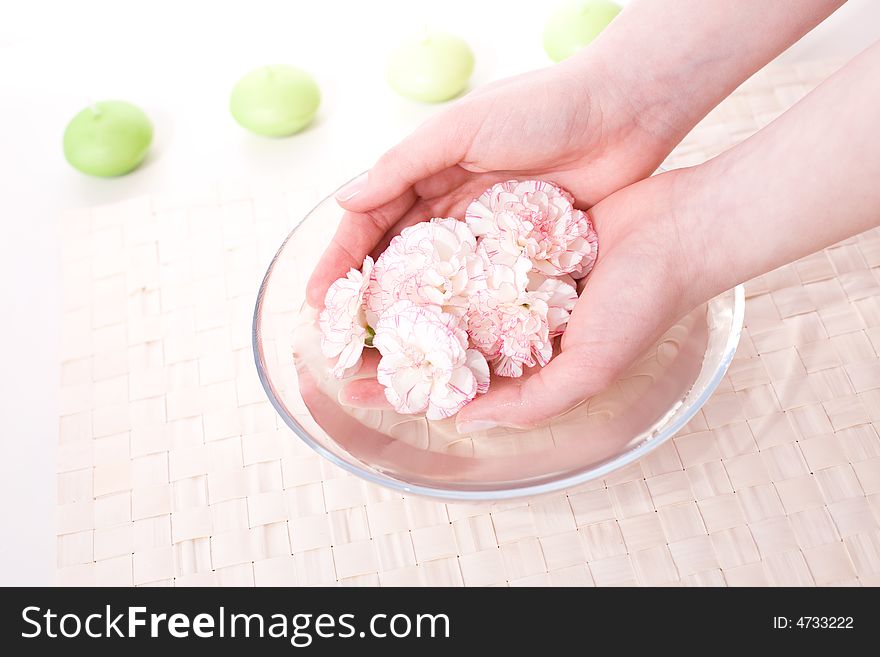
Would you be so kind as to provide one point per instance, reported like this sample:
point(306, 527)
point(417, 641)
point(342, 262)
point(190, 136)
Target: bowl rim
point(489, 495)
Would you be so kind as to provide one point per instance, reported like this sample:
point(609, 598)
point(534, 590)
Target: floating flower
point(508, 323)
point(535, 219)
point(426, 365)
point(430, 263)
point(343, 322)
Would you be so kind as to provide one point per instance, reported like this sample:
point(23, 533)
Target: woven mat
point(173, 469)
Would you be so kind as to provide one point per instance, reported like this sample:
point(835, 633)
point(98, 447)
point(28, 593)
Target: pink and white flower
point(535, 219)
point(343, 322)
point(508, 323)
point(432, 263)
point(426, 365)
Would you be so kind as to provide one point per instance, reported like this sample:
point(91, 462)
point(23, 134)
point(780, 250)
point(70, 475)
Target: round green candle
point(108, 139)
point(432, 68)
point(275, 101)
point(576, 24)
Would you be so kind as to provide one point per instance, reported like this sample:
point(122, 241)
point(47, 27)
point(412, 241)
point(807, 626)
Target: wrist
point(675, 61)
point(651, 91)
point(703, 264)
point(629, 98)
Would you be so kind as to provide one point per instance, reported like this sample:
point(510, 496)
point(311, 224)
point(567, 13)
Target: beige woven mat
point(174, 469)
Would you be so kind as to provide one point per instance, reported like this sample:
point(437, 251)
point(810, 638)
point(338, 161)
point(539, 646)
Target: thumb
point(438, 144)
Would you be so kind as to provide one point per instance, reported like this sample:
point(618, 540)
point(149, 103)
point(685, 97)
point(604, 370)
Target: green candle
point(432, 68)
point(107, 139)
point(576, 24)
point(275, 101)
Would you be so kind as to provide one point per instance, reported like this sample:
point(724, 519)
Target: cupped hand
point(646, 277)
point(568, 124)
point(650, 272)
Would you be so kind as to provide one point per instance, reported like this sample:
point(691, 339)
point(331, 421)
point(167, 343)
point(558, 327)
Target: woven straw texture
point(173, 469)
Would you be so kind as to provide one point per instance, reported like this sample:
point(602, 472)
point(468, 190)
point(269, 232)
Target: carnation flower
point(426, 365)
point(430, 263)
point(343, 322)
point(509, 324)
point(535, 219)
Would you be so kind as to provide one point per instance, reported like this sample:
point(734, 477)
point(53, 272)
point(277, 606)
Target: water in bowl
point(422, 452)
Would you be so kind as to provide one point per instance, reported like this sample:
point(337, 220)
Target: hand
point(666, 243)
point(647, 276)
point(642, 283)
point(566, 124)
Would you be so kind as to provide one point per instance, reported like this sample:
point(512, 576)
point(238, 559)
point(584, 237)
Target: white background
point(178, 60)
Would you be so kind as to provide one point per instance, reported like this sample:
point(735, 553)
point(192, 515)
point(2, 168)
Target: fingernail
point(352, 189)
point(475, 426)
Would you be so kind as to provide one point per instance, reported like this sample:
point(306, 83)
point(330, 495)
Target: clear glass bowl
point(646, 407)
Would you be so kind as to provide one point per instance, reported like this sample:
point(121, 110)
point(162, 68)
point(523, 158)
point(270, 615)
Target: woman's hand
point(645, 278)
point(666, 243)
point(672, 241)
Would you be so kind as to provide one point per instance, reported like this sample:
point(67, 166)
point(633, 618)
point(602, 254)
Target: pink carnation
point(535, 219)
point(426, 365)
point(432, 263)
point(343, 322)
point(509, 324)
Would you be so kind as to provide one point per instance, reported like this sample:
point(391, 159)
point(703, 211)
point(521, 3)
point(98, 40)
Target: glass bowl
point(646, 407)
